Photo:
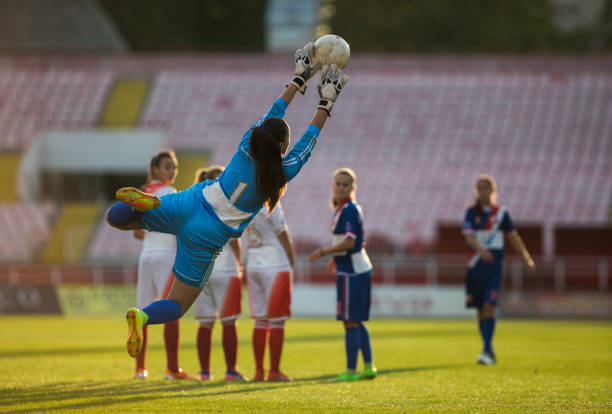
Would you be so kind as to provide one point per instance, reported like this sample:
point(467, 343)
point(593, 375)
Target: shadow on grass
point(293, 339)
point(103, 394)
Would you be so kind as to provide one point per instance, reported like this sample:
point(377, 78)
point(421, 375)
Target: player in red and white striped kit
point(269, 269)
point(221, 298)
point(155, 265)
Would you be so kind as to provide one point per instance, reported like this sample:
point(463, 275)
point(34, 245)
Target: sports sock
point(488, 328)
point(366, 348)
point(230, 345)
point(140, 359)
point(162, 311)
point(171, 340)
point(277, 336)
point(260, 336)
point(121, 214)
point(204, 343)
point(352, 342)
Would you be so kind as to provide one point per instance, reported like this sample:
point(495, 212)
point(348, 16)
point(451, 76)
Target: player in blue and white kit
point(205, 216)
point(354, 274)
point(484, 227)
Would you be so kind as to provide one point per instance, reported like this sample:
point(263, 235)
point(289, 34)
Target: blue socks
point(366, 348)
point(162, 311)
point(122, 214)
point(352, 342)
point(488, 328)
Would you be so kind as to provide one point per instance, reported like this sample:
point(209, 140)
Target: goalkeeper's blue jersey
point(238, 179)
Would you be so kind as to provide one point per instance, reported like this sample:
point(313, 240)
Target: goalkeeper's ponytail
point(265, 144)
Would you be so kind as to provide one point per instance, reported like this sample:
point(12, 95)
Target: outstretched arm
point(330, 85)
point(288, 93)
point(305, 67)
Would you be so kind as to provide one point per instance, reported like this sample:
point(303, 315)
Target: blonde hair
point(208, 173)
point(349, 173)
point(489, 180)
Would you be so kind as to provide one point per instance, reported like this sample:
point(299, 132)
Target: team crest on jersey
point(477, 219)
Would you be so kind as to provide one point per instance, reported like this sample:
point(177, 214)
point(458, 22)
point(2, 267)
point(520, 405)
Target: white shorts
point(270, 293)
point(221, 298)
point(154, 269)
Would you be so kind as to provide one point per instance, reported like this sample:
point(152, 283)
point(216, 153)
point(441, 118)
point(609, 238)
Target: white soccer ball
point(331, 49)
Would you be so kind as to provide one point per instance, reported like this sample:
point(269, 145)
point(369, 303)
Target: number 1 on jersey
point(233, 198)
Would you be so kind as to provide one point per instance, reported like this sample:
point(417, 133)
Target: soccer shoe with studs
point(140, 200)
point(347, 375)
point(135, 320)
point(234, 376)
point(259, 376)
point(141, 374)
point(278, 377)
point(368, 373)
point(180, 375)
point(486, 359)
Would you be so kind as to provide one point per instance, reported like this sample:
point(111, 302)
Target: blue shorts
point(353, 296)
point(483, 284)
point(200, 235)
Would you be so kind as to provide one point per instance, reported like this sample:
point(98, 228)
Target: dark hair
point(265, 143)
point(210, 173)
point(157, 159)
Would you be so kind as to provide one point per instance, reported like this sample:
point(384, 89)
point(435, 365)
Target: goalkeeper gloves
point(330, 85)
point(305, 66)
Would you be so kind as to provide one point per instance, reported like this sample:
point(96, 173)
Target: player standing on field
point(354, 274)
point(205, 216)
point(484, 227)
point(221, 298)
point(269, 269)
point(155, 265)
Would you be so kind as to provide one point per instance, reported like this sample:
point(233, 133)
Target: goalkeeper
point(205, 216)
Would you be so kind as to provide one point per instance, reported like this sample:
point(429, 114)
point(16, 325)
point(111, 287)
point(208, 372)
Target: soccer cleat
point(205, 375)
point(140, 200)
point(135, 319)
point(368, 373)
point(486, 358)
point(141, 374)
point(234, 376)
point(259, 376)
point(348, 375)
point(180, 375)
point(278, 377)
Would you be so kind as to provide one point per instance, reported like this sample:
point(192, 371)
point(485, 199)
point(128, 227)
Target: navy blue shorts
point(353, 296)
point(483, 284)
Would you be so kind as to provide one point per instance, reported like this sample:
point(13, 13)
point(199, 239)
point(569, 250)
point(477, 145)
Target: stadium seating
point(25, 227)
point(110, 245)
point(417, 132)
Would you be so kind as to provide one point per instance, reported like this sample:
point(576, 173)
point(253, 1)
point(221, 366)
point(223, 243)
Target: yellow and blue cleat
point(136, 319)
point(140, 200)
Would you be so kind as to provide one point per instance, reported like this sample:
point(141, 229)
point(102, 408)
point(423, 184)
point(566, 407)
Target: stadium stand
point(416, 131)
point(25, 228)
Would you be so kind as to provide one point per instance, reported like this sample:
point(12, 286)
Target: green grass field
point(55, 364)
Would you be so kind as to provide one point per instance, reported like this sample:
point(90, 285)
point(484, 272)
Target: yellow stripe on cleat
point(140, 200)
